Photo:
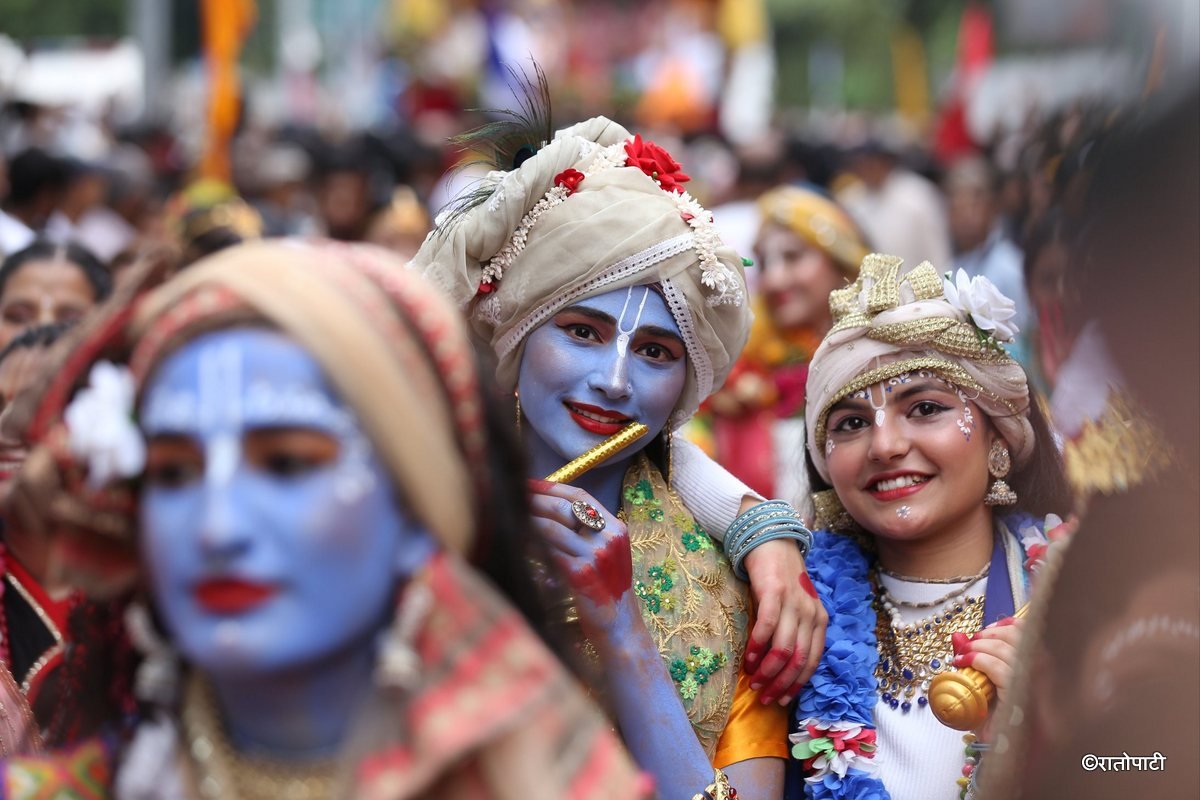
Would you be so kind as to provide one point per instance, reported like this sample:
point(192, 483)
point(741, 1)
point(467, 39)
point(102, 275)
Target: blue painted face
point(271, 531)
point(596, 366)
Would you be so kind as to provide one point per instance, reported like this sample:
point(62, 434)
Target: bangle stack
point(719, 789)
point(773, 519)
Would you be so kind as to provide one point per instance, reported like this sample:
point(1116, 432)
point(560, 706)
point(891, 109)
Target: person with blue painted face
point(607, 298)
point(312, 474)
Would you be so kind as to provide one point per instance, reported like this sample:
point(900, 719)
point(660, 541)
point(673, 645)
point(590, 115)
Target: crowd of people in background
point(850, 260)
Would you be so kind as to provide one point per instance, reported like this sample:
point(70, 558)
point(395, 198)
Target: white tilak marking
point(223, 454)
point(354, 478)
point(880, 413)
point(623, 333)
point(221, 398)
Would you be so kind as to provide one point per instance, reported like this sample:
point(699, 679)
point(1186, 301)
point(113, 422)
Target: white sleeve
point(707, 489)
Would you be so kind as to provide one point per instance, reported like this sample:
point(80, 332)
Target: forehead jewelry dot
point(903, 511)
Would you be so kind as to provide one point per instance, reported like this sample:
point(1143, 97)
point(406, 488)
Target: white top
point(707, 489)
point(14, 235)
point(919, 758)
point(905, 218)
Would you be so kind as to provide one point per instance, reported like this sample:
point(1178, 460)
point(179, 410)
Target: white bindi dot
point(880, 416)
point(903, 511)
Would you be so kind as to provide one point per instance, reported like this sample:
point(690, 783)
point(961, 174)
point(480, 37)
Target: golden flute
point(600, 453)
point(962, 699)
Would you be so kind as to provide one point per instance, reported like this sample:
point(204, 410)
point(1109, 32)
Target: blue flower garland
point(843, 687)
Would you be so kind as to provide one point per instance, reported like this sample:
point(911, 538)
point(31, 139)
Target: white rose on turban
point(980, 299)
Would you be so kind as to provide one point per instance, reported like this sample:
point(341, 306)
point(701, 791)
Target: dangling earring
point(670, 468)
point(399, 664)
point(517, 395)
point(157, 677)
point(999, 463)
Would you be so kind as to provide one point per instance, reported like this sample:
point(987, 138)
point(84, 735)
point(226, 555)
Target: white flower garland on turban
point(590, 213)
point(889, 322)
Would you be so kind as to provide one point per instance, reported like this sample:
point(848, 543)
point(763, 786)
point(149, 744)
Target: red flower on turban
point(657, 163)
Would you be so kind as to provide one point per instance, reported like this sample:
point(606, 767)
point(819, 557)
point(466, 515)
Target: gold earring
point(517, 396)
point(670, 469)
point(999, 463)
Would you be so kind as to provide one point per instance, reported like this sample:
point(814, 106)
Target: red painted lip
point(619, 421)
point(904, 491)
point(231, 595)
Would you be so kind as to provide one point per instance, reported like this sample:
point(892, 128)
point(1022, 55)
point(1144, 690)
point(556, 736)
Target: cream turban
point(888, 322)
point(546, 238)
point(394, 348)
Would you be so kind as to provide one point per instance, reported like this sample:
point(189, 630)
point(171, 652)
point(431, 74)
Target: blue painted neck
point(301, 715)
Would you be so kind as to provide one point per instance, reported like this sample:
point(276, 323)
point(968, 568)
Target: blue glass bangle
point(765, 522)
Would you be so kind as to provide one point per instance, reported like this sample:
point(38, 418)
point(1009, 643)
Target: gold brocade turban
point(395, 350)
point(889, 322)
point(593, 211)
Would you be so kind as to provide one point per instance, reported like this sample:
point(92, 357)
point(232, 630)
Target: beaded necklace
point(911, 654)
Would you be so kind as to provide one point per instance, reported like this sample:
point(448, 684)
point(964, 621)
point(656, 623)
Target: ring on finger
point(588, 515)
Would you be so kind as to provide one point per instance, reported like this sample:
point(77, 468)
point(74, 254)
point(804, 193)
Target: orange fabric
point(225, 26)
point(753, 730)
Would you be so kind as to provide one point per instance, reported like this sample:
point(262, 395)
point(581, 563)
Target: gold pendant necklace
point(222, 772)
point(910, 655)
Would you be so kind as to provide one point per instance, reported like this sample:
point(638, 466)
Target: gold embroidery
point(708, 608)
point(1119, 450)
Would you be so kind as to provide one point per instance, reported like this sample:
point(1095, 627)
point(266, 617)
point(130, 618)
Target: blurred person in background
point(85, 190)
point(14, 234)
point(280, 179)
point(33, 620)
point(36, 181)
point(344, 192)
point(208, 216)
point(48, 282)
point(1111, 663)
point(1045, 264)
point(738, 217)
point(401, 225)
point(321, 625)
point(130, 210)
point(901, 212)
point(754, 425)
point(981, 244)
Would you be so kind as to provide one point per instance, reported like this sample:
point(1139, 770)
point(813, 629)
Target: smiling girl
point(942, 476)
